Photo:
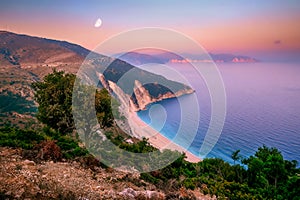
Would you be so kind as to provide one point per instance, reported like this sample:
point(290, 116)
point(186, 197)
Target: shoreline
point(156, 139)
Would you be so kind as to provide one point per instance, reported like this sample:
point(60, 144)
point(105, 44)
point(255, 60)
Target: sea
point(262, 108)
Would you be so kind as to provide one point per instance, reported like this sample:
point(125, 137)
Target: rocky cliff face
point(26, 59)
point(141, 96)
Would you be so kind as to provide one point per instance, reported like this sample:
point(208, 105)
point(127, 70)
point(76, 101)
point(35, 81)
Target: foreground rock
point(25, 179)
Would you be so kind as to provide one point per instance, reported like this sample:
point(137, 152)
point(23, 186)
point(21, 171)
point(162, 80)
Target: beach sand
point(141, 129)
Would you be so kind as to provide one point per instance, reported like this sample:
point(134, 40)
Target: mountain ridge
point(25, 59)
point(137, 58)
point(16, 49)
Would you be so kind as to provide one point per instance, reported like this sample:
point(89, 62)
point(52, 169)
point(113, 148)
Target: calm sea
point(263, 108)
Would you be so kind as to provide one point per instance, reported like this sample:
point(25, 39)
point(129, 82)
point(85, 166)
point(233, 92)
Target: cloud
point(277, 42)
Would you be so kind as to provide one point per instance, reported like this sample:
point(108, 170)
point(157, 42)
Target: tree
point(235, 156)
point(103, 108)
point(275, 168)
point(54, 96)
point(270, 173)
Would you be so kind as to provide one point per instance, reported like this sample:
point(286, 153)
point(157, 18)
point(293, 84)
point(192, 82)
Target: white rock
point(29, 162)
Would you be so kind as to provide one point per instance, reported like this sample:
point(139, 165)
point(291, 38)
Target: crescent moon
point(98, 23)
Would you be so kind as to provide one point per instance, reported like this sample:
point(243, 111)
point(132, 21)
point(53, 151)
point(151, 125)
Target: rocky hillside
point(26, 59)
point(26, 51)
point(142, 86)
point(26, 179)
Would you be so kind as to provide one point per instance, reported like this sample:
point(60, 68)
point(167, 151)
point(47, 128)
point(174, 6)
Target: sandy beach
point(141, 129)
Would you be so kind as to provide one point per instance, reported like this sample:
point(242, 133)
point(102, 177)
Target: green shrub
point(149, 178)
point(70, 147)
point(189, 183)
point(14, 137)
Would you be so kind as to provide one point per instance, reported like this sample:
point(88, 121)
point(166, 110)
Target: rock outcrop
point(141, 97)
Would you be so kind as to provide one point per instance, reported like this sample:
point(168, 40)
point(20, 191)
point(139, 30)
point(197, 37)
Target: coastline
point(156, 139)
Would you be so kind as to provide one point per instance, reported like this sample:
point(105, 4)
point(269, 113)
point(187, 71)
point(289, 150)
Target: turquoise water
point(263, 107)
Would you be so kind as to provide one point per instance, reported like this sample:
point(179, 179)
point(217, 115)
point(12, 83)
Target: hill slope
point(23, 50)
point(26, 59)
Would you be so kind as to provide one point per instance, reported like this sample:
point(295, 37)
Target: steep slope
point(25, 59)
point(143, 87)
point(23, 50)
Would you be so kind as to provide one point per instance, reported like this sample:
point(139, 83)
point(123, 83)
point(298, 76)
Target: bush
point(89, 161)
point(189, 183)
point(48, 150)
point(149, 178)
point(13, 137)
point(70, 147)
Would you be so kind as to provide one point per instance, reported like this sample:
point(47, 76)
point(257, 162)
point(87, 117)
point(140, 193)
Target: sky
point(267, 30)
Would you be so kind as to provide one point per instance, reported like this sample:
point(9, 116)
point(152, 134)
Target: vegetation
point(14, 137)
point(156, 85)
point(265, 175)
point(10, 102)
point(54, 96)
point(43, 139)
point(138, 147)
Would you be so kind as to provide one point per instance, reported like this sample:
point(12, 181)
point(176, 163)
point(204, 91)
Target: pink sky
point(254, 28)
